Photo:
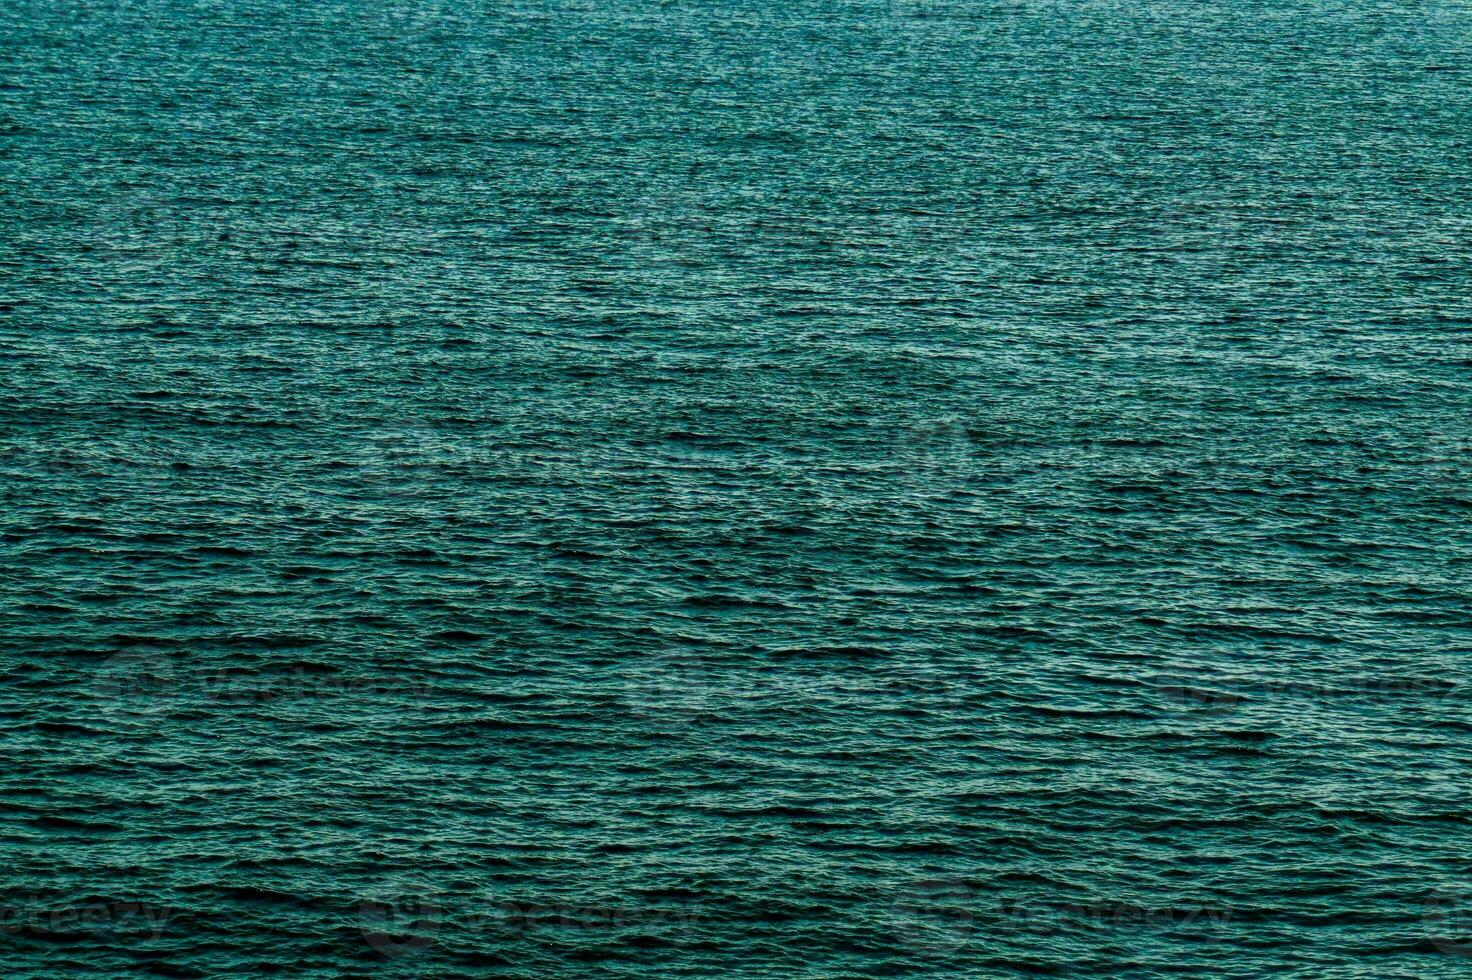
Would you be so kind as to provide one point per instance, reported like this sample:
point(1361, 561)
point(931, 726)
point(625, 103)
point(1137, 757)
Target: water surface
point(804, 489)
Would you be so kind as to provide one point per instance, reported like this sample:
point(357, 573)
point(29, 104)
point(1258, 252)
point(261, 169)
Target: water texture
point(805, 489)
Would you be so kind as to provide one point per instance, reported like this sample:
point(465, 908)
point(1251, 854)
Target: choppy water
point(805, 489)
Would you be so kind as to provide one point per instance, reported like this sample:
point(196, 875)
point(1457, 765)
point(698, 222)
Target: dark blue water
point(807, 489)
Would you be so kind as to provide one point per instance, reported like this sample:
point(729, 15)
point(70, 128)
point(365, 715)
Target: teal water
point(813, 489)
